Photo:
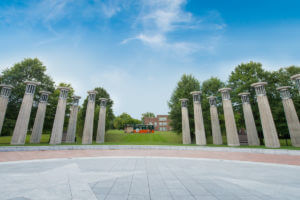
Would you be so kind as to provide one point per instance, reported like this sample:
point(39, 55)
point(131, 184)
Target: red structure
point(160, 122)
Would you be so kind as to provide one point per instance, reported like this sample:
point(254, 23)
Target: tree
point(187, 84)
point(101, 93)
point(147, 114)
point(124, 119)
point(28, 69)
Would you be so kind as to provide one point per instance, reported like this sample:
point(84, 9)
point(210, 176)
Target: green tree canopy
point(147, 114)
point(123, 119)
point(28, 69)
point(187, 84)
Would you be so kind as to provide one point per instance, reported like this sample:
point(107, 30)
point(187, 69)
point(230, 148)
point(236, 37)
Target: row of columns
point(21, 127)
point(268, 125)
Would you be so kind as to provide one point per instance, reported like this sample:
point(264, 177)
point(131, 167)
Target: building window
point(162, 119)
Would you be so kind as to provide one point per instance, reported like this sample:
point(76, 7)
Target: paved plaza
point(147, 178)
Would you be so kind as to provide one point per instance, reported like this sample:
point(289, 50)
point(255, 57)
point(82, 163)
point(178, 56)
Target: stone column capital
point(244, 96)
point(284, 92)
point(183, 102)
point(44, 96)
point(225, 93)
point(63, 92)
point(35, 83)
point(75, 100)
point(196, 96)
point(295, 77)
point(212, 100)
point(259, 88)
point(6, 90)
point(92, 95)
point(103, 102)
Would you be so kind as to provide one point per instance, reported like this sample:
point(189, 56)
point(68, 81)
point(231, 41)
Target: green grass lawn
point(118, 137)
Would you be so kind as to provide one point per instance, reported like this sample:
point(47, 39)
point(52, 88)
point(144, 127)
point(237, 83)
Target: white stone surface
point(186, 134)
point(147, 178)
point(87, 137)
point(71, 132)
point(230, 125)
point(199, 124)
point(252, 135)
point(292, 121)
point(58, 125)
point(38, 123)
point(21, 127)
point(3, 107)
point(101, 125)
point(215, 125)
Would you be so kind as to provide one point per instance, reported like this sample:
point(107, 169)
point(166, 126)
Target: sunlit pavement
point(147, 178)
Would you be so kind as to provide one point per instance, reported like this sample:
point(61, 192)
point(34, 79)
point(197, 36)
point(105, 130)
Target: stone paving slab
point(132, 178)
point(162, 147)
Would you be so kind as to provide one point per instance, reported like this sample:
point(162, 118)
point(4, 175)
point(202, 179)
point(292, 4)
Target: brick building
point(160, 122)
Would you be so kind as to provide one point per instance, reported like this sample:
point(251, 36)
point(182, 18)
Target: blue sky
point(138, 50)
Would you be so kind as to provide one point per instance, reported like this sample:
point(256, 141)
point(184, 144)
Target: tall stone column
point(4, 97)
point(252, 135)
point(101, 122)
point(58, 125)
point(87, 137)
point(39, 118)
point(71, 133)
point(215, 123)
point(20, 131)
point(198, 118)
point(230, 125)
point(290, 115)
point(186, 134)
point(267, 122)
point(296, 78)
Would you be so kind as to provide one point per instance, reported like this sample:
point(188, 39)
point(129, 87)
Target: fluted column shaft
point(186, 134)
point(252, 135)
point(267, 122)
point(291, 116)
point(58, 125)
point(101, 123)
point(198, 119)
point(215, 123)
point(21, 127)
point(38, 123)
point(39, 118)
point(3, 107)
point(230, 125)
point(87, 137)
point(71, 132)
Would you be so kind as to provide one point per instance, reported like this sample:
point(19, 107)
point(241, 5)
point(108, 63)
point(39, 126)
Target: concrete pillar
point(215, 123)
point(101, 121)
point(4, 97)
point(20, 131)
point(58, 125)
point(290, 115)
point(267, 122)
point(39, 118)
point(230, 125)
point(252, 135)
point(296, 78)
point(186, 134)
point(71, 133)
point(198, 118)
point(87, 137)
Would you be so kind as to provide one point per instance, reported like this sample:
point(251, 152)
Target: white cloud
point(158, 18)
